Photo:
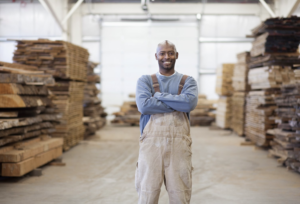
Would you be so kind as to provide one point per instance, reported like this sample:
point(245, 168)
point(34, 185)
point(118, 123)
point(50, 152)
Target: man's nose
point(167, 56)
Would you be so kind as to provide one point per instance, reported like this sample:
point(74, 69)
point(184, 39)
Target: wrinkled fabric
point(165, 156)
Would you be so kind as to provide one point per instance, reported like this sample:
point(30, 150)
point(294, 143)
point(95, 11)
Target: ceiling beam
point(267, 7)
point(73, 9)
point(48, 7)
point(293, 9)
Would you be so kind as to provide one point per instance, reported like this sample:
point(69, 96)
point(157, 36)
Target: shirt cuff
point(157, 95)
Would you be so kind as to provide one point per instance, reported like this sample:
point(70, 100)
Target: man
point(165, 100)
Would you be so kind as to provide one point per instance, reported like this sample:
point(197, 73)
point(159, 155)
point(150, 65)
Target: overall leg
point(150, 171)
point(179, 172)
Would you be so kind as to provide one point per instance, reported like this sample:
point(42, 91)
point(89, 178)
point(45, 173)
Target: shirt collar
point(164, 75)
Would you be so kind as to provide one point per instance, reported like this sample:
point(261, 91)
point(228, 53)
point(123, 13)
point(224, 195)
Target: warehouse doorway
point(127, 52)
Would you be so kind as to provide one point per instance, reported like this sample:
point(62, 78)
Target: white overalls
point(165, 155)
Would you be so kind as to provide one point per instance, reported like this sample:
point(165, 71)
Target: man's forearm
point(182, 102)
point(150, 105)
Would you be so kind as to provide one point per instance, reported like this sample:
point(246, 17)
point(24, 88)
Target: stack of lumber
point(22, 157)
point(238, 111)
point(260, 115)
point(273, 55)
point(225, 89)
point(240, 73)
point(224, 80)
point(94, 115)
point(270, 77)
point(59, 58)
point(224, 112)
point(241, 88)
point(68, 97)
point(276, 35)
point(128, 113)
point(286, 143)
point(26, 115)
point(203, 114)
point(67, 63)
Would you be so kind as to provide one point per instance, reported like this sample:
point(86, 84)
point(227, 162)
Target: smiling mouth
point(166, 63)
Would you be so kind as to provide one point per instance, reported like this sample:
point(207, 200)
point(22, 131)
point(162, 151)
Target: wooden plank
point(23, 167)
point(27, 151)
point(16, 101)
point(13, 88)
point(11, 114)
point(9, 123)
point(41, 79)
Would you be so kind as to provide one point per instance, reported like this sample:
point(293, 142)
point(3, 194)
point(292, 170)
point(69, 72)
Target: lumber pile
point(238, 112)
point(67, 63)
point(241, 88)
point(224, 113)
point(276, 35)
point(61, 59)
point(260, 115)
point(273, 55)
point(286, 142)
point(240, 73)
point(22, 157)
point(128, 113)
point(224, 80)
point(68, 97)
point(26, 120)
point(203, 114)
point(225, 89)
point(94, 115)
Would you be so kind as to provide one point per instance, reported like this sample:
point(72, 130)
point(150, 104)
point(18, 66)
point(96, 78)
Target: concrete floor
point(101, 170)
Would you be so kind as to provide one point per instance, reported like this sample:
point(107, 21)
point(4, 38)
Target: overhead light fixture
point(199, 16)
point(144, 5)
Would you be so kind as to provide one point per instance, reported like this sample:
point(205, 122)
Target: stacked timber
point(94, 115)
point(238, 111)
point(273, 54)
point(26, 115)
point(241, 88)
point(203, 114)
point(224, 80)
point(128, 113)
point(61, 59)
point(67, 63)
point(68, 97)
point(224, 112)
point(225, 89)
point(276, 35)
point(260, 116)
point(286, 143)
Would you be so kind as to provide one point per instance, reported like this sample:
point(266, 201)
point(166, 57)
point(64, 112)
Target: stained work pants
point(165, 155)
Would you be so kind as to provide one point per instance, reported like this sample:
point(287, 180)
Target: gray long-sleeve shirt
point(167, 100)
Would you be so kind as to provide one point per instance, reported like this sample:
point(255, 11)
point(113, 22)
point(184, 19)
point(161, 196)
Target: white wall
point(213, 52)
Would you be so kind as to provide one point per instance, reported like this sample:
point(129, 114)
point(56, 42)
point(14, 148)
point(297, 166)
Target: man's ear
point(177, 54)
point(156, 56)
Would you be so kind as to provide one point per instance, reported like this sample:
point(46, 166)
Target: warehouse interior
point(70, 123)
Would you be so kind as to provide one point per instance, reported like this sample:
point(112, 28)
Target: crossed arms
point(165, 102)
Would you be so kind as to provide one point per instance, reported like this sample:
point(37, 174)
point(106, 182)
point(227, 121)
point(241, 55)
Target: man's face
point(166, 56)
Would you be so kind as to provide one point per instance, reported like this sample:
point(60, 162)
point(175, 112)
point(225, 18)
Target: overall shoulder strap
point(181, 84)
point(155, 83)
